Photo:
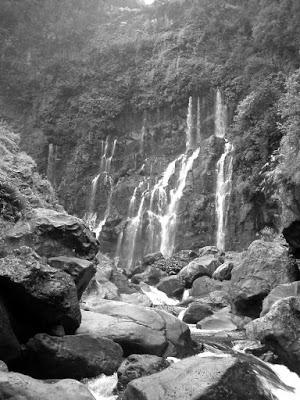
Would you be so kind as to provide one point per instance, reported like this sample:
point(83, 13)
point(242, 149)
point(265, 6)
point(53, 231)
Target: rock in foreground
point(137, 329)
point(14, 386)
point(73, 356)
point(265, 265)
point(39, 296)
point(279, 329)
point(203, 378)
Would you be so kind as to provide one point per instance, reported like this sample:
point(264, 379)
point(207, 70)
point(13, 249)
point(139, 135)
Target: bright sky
point(148, 1)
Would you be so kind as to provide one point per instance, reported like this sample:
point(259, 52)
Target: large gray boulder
point(138, 365)
point(196, 311)
point(15, 386)
point(82, 271)
point(137, 329)
point(51, 233)
point(280, 292)
point(173, 286)
point(204, 285)
point(38, 296)
point(217, 377)
point(71, 356)
point(223, 272)
point(264, 266)
point(279, 329)
point(201, 266)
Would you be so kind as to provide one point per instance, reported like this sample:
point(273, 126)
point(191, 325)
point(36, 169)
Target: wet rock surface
point(38, 295)
point(51, 233)
point(207, 378)
point(137, 329)
point(138, 365)
point(264, 266)
point(71, 356)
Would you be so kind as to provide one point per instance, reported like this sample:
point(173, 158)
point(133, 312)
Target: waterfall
point(104, 173)
point(198, 127)
point(51, 162)
point(224, 172)
point(220, 116)
point(189, 124)
point(133, 230)
point(168, 221)
point(224, 183)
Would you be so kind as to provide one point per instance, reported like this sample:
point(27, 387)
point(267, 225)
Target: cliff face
point(123, 87)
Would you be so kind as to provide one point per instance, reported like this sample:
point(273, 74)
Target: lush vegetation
point(81, 64)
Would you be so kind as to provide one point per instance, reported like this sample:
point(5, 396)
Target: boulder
point(10, 348)
point(138, 299)
point(137, 329)
point(264, 266)
point(138, 365)
point(201, 266)
point(208, 250)
point(220, 321)
point(71, 356)
point(195, 312)
point(15, 386)
point(99, 290)
point(173, 264)
point(81, 270)
point(279, 329)
point(216, 300)
point(173, 286)
point(204, 285)
point(51, 233)
point(151, 276)
point(151, 258)
point(3, 366)
point(280, 292)
point(121, 281)
point(38, 296)
point(223, 272)
point(206, 377)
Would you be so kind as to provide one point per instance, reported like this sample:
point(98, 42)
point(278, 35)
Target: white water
point(104, 172)
point(189, 124)
point(223, 190)
point(156, 296)
point(102, 387)
point(220, 116)
point(51, 162)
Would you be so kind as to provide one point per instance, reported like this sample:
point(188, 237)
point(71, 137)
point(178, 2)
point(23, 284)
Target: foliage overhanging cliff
point(77, 67)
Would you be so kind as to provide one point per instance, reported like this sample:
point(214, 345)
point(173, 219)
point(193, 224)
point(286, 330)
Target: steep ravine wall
point(145, 145)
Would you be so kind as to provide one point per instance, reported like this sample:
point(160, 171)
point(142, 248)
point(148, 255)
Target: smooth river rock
point(210, 377)
point(280, 292)
point(15, 386)
point(71, 356)
point(137, 329)
point(279, 329)
point(264, 266)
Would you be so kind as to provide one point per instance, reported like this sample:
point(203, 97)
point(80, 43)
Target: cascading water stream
point(224, 184)
point(224, 172)
point(105, 167)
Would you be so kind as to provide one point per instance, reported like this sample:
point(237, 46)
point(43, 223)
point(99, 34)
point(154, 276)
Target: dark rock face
point(264, 266)
point(51, 233)
point(74, 356)
point(292, 235)
point(279, 329)
point(137, 329)
point(151, 276)
point(205, 378)
point(38, 295)
point(204, 285)
point(201, 266)
point(81, 270)
point(173, 286)
point(10, 348)
point(223, 272)
point(196, 312)
point(138, 365)
point(280, 292)
point(18, 386)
